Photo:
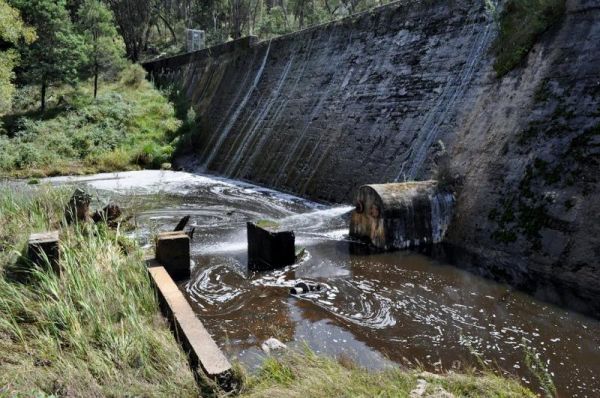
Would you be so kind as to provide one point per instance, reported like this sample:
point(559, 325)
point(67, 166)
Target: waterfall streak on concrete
point(257, 124)
point(205, 151)
point(293, 152)
point(429, 132)
point(225, 133)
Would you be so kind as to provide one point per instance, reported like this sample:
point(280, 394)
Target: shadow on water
point(522, 278)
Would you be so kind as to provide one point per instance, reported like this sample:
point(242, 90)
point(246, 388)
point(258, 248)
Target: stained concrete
point(196, 340)
point(269, 249)
point(173, 252)
point(401, 215)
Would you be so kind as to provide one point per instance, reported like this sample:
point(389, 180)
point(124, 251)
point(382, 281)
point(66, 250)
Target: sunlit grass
point(96, 329)
point(306, 374)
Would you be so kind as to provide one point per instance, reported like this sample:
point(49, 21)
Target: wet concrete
point(378, 309)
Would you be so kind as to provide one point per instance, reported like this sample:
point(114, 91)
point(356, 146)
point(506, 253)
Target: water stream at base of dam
point(377, 309)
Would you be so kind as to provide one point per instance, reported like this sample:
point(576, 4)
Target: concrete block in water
point(269, 249)
point(44, 245)
point(202, 350)
point(401, 215)
point(173, 252)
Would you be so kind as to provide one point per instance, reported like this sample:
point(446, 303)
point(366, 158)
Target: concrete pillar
point(268, 249)
point(44, 245)
point(173, 253)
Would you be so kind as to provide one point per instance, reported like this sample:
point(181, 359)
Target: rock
point(419, 391)
point(165, 166)
point(272, 344)
point(302, 287)
point(109, 214)
point(78, 208)
point(423, 386)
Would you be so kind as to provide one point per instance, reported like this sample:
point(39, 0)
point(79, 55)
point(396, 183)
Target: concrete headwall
point(366, 99)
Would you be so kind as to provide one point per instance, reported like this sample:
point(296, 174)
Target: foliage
point(223, 20)
point(133, 18)
point(522, 22)
point(127, 127)
point(274, 23)
point(58, 53)
point(540, 370)
point(12, 30)
point(92, 332)
point(133, 76)
point(104, 47)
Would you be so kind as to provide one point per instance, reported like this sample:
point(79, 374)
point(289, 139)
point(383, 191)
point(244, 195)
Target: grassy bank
point(309, 375)
point(93, 332)
point(96, 331)
point(130, 125)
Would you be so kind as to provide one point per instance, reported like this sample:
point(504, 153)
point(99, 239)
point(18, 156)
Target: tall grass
point(95, 330)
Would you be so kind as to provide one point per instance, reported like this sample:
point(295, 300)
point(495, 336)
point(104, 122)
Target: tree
point(58, 54)
point(100, 35)
point(12, 31)
point(133, 18)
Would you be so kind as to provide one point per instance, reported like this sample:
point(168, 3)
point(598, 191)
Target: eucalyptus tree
point(134, 18)
point(103, 43)
point(58, 53)
point(12, 32)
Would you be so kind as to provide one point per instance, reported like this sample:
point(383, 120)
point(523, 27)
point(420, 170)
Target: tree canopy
point(59, 52)
point(104, 50)
point(12, 31)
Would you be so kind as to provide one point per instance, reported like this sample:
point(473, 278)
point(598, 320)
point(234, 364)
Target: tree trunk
point(95, 80)
point(43, 99)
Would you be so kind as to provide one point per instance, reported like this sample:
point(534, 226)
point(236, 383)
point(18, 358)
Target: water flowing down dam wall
point(366, 100)
point(360, 100)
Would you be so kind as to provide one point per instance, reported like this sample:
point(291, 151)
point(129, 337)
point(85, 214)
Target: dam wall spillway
point(359, 100)
point(366, 100)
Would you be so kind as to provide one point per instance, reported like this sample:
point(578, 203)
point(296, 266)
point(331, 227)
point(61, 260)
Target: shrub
point(522, 22)
point(124, 127)
point(133, 76)
point(153, 155)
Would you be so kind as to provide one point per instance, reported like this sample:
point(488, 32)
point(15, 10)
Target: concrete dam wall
point(369, 98)
point(325, 110)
